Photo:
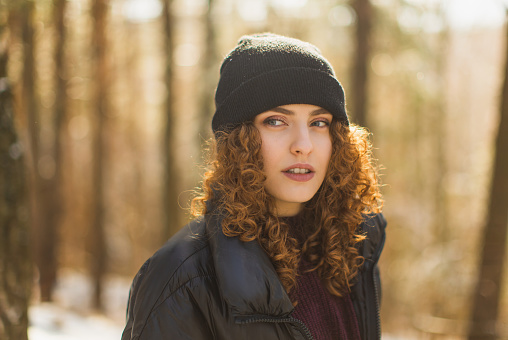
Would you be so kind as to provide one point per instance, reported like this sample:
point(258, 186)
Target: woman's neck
point(288, 209)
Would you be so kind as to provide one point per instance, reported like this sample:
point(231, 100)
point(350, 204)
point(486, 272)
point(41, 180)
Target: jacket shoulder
point(373, 227)
point(177, 255)
point(184, 257)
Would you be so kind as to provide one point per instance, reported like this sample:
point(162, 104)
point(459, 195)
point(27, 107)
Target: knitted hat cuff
point(295, 85)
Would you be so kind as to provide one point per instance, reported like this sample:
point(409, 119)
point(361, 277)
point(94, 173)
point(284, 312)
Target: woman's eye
point(274, 122)
point(320, 123)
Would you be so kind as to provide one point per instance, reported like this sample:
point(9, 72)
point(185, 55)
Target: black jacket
point(204, 285)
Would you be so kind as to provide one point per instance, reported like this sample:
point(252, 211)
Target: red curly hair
point(235, 186)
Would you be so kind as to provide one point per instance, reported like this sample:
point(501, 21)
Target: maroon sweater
point(327, 316)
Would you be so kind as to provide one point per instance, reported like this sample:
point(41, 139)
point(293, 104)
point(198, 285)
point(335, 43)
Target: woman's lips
point(299, 177)
point(299, 172)
point(300, 166)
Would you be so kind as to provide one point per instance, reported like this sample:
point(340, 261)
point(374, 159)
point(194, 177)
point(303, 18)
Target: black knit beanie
point(267, 70)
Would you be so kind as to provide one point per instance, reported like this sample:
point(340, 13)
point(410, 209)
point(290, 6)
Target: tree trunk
point(361, 63)
point(209, 72)
point(487, 294)
point(44, 211)
point(97, 240)
point(441, 226)
point(60, 107)
point(170, 207)
point(15, 258)
point(49, 198)
point(29, 102)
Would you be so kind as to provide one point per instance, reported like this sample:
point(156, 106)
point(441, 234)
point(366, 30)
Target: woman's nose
point(302, 143)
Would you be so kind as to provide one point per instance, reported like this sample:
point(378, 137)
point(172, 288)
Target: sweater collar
point(246, 277)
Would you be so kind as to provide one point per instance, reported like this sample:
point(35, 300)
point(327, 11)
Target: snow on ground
point(52, 322)
point(70, 316)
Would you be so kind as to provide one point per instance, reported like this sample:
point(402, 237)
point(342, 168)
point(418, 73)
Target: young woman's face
point(296, 148)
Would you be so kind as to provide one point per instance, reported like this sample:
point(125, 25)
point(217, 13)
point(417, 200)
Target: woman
point(289, 231)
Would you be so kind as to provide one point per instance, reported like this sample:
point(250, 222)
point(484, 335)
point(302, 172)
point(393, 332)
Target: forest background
point(106, 106)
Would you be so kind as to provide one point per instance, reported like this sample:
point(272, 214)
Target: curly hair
point(234, 185)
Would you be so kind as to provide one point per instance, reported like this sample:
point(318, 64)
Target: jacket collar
point(246, 277)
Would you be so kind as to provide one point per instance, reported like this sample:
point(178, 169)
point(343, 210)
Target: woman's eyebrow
point(319, 111)
point(282, 110)
point(289, 112)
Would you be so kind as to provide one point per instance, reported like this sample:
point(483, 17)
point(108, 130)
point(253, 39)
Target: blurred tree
point(26, 23)
point(437, 134)
point(436, 53)
point(45, 160)
point(41, 163)
point(15, 259)
point(97, 236)
point(361, 60)
point(207, 81)
point(487, 294)
point(60, 72)
point(170, 206)
point(49, 175)
point(59, 118)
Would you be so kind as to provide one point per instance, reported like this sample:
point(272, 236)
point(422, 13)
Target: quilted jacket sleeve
point(171, 297)
point(183, 317)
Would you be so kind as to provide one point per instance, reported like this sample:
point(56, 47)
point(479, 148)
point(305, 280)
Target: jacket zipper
point(303, 329)
point(376, 289)
point(378, 307)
